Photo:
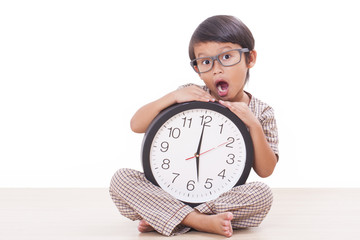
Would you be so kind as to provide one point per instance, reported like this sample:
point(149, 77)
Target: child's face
point(225, 83)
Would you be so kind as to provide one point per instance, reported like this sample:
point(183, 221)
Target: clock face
point(197, 152)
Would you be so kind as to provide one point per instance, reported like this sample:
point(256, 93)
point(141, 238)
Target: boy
point(221, 52)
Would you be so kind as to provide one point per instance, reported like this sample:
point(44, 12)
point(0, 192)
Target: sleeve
point(191, 84)
point(185, 85)
point(268, 123)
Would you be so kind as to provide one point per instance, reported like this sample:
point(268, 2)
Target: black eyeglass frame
point(240, 50)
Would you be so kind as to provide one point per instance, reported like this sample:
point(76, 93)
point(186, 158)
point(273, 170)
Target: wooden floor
point(90, 214)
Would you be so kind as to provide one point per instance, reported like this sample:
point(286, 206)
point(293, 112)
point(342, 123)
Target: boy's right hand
point(143, 117)
point(192, 93)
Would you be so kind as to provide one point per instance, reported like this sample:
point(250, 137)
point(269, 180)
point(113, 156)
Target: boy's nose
point(217, 67)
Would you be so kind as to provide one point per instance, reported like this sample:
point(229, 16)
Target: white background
point(72, 74)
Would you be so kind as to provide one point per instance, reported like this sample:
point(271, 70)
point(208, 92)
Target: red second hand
point(207, 150)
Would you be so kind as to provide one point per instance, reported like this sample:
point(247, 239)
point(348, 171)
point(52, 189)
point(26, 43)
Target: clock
point(196, 151)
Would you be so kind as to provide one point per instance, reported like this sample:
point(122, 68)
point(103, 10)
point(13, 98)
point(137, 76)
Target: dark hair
point(223, 28)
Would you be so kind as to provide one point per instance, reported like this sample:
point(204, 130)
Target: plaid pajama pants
point(137, 198)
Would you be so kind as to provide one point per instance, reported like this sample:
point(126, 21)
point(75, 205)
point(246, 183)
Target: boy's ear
point(252, 59)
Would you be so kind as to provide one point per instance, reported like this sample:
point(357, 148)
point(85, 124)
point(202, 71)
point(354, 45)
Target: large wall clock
point(196, 151)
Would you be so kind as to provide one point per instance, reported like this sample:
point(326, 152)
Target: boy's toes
point(144, 227)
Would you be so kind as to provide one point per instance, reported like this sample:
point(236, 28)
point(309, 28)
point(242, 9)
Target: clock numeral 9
point(166, 164)
point(164, 146)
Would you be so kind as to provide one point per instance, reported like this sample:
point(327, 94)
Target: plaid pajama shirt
point(137, 198)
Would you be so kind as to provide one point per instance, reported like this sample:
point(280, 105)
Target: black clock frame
point(167, 113)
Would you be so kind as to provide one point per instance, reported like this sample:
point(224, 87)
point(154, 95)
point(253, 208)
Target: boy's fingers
point(225, 103)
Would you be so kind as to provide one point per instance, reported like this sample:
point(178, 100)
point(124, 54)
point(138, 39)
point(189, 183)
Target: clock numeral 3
point(231, 159)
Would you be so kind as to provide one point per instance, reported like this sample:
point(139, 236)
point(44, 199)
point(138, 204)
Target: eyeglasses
point(227, 59)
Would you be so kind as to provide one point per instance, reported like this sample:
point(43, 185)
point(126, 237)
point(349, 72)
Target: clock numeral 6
point(166, 164)
point(190, 185)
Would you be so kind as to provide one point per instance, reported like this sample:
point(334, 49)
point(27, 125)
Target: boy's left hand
point(242, 110)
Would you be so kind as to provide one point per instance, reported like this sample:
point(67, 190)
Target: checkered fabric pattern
point(137, 198)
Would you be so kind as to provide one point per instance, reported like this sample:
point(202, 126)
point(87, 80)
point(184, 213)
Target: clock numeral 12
point(205, 120)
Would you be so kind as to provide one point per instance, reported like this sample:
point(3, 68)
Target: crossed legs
point(138, 199)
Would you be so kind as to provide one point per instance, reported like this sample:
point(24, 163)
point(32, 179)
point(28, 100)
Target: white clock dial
point(197, 154)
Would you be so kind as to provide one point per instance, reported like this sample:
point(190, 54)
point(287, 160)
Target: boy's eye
point(205, 62)
point(226, 57)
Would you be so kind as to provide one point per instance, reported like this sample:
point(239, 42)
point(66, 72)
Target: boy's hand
point(243, 111)
point(264, 157)
point(192, 93)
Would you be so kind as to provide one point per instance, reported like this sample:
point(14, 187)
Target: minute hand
point(197, 154)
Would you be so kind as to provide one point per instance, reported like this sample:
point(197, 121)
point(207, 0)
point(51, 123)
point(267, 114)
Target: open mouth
point(222, 88)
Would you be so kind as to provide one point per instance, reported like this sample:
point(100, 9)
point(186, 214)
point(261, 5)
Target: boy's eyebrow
point(223, 48)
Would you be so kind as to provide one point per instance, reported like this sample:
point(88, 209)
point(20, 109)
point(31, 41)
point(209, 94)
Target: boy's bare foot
point(145, 227)
point(219, 223)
